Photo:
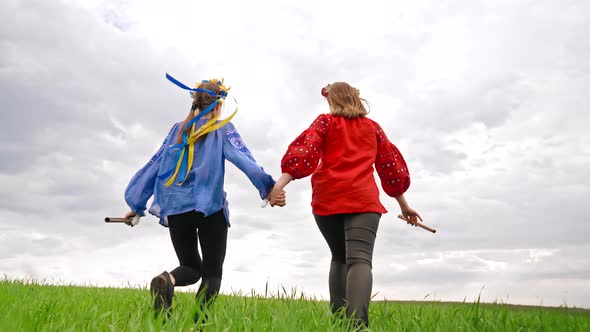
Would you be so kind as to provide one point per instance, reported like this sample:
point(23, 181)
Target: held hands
point(277, 197)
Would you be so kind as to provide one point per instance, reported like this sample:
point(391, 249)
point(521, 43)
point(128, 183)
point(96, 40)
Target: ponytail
point(201, 100)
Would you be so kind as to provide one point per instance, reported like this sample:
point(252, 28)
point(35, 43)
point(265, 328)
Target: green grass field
point(29, 306)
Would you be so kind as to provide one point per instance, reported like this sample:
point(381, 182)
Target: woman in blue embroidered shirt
point(186, 178)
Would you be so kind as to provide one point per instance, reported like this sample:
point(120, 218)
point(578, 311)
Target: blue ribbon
point(182, 173)
point(183, 165)
point(166, 175)
point(184, 87)
point(202, 113)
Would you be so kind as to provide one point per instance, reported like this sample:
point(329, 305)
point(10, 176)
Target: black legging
point(351, 238)
point(186, 230)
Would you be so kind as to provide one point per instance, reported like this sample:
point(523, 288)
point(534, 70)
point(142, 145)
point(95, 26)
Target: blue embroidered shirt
point(202, 191)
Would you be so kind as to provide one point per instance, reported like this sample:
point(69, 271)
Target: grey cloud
point(61, 97)
point(434, 156)
point(451, 273)
point(13, 161)
point(448, 109)
point(20, 244)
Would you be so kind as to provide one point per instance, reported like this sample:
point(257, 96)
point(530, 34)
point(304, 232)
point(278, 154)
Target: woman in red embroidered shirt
point(345, 199)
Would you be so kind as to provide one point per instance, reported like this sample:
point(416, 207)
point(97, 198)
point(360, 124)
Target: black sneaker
point(162, 291)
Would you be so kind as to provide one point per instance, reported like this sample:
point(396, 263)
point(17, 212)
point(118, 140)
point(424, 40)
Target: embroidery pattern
point(238, 143)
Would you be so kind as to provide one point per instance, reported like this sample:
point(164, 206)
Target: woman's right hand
point(130, 215)
point(277, 193)
point(410, 214)
point(277, 197)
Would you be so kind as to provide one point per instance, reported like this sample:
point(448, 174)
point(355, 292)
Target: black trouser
point(186, 230)
point(351, 238)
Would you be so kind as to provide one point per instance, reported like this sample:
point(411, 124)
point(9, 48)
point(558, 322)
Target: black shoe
point(162, 291)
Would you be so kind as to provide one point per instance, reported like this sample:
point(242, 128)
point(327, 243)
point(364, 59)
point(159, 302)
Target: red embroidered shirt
point(346, 150)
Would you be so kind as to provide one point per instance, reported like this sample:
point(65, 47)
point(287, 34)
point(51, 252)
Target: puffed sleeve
point(236, 151)
point(390, 165)
point(141, 187)
point(304, 153)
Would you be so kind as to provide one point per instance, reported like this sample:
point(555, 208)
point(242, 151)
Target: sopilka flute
point(128, 221)
point(416, 224)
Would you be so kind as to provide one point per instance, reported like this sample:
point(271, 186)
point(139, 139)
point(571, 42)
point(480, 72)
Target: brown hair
point(346, 101)
point(201, 100)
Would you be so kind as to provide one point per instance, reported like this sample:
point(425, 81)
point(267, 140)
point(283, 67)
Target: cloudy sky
point(487, 100)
